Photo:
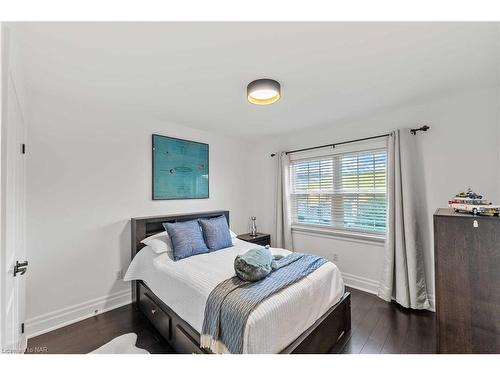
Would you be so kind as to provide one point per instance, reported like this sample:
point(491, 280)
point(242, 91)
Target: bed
point(311, 316)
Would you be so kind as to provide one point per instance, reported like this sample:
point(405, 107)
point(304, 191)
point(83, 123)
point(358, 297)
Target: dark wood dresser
point(467, 274)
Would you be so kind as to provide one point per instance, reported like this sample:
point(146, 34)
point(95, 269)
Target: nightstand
point(261, 238)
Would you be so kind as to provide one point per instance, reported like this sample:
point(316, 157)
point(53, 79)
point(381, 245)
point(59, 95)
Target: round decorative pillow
point(254, 265)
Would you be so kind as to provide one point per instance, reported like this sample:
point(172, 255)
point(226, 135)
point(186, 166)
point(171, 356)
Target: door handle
point(20, 267)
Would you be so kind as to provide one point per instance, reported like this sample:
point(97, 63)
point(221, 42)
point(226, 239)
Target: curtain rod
point(333, 145)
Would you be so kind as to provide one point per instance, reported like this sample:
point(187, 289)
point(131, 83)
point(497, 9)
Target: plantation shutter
point(343, 191)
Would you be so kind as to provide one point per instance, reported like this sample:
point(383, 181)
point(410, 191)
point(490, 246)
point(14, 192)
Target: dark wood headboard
point(143, 227)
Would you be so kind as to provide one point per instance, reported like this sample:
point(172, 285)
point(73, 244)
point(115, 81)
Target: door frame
point(4, 40)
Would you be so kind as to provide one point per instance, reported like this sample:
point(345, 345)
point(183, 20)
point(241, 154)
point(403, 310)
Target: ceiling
point(196, 74)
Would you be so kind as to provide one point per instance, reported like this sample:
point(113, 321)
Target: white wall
point(461, 149)
point(89, 172)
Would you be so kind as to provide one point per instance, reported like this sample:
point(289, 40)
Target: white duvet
point(185, 285)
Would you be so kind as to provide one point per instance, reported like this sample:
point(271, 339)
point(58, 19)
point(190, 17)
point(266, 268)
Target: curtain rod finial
point(422, 128)
point(273, 154)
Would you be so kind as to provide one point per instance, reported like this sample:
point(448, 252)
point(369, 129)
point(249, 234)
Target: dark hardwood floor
point(382, 327)
point(377, 327)
point(91, 333)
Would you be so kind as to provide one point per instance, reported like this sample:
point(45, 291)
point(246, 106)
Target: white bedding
point(185, 285)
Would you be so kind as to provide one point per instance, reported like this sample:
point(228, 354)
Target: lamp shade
point(263, 91)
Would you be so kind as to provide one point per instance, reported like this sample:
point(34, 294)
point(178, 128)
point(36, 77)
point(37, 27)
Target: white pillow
point(160, 243)
point(233, 235)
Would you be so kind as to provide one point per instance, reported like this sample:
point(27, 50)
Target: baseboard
point(371, 286)
point(72, 314)
point(360, 283)
point(432, 302)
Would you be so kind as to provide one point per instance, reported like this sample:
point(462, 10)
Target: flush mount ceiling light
point(263, 91)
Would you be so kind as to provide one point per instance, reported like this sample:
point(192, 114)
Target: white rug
point(124, 344)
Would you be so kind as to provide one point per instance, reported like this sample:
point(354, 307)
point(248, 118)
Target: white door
point(13, 219)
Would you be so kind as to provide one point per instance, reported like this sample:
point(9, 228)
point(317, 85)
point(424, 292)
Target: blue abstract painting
point(180, 168)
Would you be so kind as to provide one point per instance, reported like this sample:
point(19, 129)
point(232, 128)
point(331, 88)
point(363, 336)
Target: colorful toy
point(473, 203)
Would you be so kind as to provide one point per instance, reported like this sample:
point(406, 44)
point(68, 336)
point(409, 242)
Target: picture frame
point(180, 168)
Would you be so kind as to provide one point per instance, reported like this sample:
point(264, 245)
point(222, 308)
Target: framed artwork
point(180, 168)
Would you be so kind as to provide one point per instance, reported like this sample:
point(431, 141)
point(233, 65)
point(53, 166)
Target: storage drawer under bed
point(159, 318)
point(177, 333)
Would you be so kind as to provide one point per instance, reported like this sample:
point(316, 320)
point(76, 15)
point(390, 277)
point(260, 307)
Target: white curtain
point(403, 276)
point(283, 224)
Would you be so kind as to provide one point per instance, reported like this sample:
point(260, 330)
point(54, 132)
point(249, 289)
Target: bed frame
point(327, 335)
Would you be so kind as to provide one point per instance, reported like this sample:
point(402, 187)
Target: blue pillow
point(254, 265)
point(187, 239)
point(216, 233)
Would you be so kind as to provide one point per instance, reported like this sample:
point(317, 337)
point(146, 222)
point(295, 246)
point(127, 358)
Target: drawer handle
point(153, 311)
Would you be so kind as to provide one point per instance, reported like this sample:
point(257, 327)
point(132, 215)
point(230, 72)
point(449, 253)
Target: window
point(344, 191)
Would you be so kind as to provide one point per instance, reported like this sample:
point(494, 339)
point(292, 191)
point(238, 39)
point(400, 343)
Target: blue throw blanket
point(229, 305)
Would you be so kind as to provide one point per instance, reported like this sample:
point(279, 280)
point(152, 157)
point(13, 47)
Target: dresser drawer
point(261, 239)
point(263, 242)
point(159, 318)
